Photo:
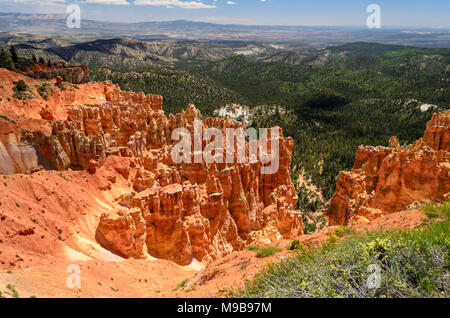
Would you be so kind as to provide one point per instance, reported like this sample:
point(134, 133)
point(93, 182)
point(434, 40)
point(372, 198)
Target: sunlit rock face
point(389, 179)
point(178, 212)
point(195, 210)
point(77, 74)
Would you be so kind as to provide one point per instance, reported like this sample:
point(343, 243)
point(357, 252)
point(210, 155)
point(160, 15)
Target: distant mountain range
point(130, 54)
point(55, 25)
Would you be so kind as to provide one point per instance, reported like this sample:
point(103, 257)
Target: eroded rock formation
point(178, 212)
point(389, 179)
point(186, 211)
point(76, 74)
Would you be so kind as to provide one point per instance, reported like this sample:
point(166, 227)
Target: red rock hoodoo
point(178, 212)
point(389, 179)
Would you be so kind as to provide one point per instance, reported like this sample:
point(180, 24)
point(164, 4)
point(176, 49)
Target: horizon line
point(243, 24)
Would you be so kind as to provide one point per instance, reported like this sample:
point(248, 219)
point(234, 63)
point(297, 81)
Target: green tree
point(13, 52)
point(21, 86)
point(65, 76)
point(6, 60)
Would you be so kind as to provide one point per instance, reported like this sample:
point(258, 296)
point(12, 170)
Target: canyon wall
point(76, 74)
point(389, 179)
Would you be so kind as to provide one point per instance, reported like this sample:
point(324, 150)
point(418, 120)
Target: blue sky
point(429, 13)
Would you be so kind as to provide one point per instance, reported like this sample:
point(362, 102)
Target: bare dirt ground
point(48, 233)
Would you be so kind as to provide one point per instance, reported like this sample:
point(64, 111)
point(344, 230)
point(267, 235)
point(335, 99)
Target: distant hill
point(129, 54)
point(201, 31)
point(179, 88)
point(365, 48)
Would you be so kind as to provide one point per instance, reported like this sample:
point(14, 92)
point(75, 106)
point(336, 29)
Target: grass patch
point(7, 119)
point(63, 177)
point(435, 211)
point(343, 231)
point(262, 252)
point(411, 263)
point(267, 251)
point(181, 285)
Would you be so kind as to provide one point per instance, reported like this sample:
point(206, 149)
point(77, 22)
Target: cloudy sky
point(430, 13)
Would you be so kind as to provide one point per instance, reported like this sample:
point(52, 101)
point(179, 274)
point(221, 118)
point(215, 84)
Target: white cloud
point(41, 2)
point(176, 3)
point(186, 4)
point(231, 3)
point(114, 2)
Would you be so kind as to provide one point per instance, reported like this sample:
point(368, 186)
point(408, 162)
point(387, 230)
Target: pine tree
point(6, 61)
point(13, 52)
point(3, 58)
point(65, 76)
point(21, 86)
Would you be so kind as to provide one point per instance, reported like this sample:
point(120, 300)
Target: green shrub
point(21, 86)
point(43, 90)
point(22, 91)
point(333, 238)
point(412, 263)
point(14, 292)
point(181, 285)
point(267, 251)
point(378, 248)
point(434, 211)
point(343, 231)
point(294, 245)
